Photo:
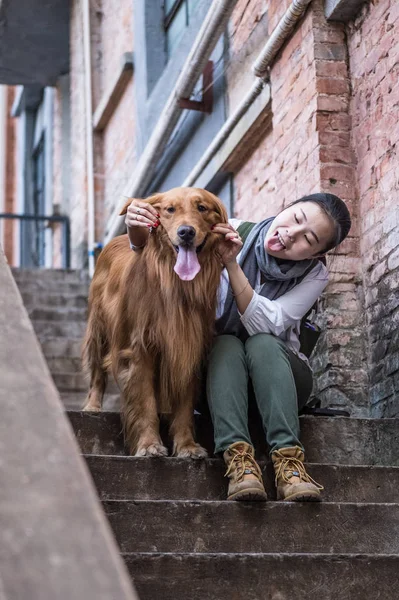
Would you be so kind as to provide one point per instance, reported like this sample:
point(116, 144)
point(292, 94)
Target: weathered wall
point(119, 155)
point(114, 148)
point(374, 67)
point(78, 185)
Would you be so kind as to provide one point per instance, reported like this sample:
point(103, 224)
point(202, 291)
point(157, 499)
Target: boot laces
point(289, 467)
point(245, 464)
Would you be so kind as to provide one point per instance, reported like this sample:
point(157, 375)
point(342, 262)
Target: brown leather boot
point(292, 481)
point(244, 474)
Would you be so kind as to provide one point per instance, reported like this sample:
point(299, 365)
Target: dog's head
point(186, 217)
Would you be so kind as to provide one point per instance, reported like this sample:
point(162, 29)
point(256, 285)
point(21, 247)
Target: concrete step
point(74, 401)
point(263, 576)
point(331, 440)
point(64, 364)
point(64, 329)
point(58, 347)
point(53, 275)
point(58, 314)
point(78, 382)
point(68, 382)
point(53, 287)
point(50, 300)
point(200, 526)
point(130, 478)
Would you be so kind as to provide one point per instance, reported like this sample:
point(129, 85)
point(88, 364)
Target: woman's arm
point(229, 248)
point(276, 316)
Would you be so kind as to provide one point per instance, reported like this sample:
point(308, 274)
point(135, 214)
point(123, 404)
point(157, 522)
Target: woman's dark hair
point(336, 210)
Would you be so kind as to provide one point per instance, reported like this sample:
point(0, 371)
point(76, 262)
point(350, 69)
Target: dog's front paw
point(191, 451)
point(152, 450)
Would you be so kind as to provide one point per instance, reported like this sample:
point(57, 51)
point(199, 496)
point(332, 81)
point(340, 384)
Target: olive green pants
point(282, 384)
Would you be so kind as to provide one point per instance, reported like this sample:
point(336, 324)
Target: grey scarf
point(279, 277)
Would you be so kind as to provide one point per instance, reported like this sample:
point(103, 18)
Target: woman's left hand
point(230, 244)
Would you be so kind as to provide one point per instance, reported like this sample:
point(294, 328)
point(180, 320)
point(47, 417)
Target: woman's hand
point(230, 244)
point(141, 214)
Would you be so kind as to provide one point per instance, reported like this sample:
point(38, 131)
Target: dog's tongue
point(187, 265)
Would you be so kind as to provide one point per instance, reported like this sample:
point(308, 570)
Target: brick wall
point(373, 42)
point(118, 138)
point(114, 148)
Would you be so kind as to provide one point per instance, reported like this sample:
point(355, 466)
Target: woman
point(268, 285)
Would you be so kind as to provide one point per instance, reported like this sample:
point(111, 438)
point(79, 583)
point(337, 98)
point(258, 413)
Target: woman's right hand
point(230, 244)
point(141, 214)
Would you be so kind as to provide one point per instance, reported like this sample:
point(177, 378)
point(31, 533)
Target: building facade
point(113, 118)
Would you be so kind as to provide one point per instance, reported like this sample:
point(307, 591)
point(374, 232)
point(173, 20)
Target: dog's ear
point(128, 202)
point(155, 200)
point(219, 209)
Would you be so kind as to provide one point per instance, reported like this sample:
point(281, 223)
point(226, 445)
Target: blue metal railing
point(40, 239)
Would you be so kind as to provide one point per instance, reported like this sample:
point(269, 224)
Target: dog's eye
point(171, 209)
point(202, 208)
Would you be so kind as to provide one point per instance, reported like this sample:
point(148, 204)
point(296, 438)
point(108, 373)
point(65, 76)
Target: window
point(177, 16)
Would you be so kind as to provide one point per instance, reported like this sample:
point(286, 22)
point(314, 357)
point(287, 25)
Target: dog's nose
point(186, 233)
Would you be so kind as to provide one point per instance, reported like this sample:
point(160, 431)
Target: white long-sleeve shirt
point(280, 317)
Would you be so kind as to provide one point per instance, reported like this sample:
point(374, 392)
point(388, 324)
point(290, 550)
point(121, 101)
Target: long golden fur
point(150, 327)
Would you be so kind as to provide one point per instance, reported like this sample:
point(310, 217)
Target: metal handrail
point(66, 231)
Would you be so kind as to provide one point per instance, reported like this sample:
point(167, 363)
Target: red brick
point(345, 190)
point(334, 138)
point(330, 51)
point(334, 154)
point(329, 34)
point(332, 103)
point(337, 172)
point(334, 122)
point(326, 68)
point(332, 85)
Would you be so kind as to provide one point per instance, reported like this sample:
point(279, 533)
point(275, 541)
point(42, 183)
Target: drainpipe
point(212, 28)
point(260, 69)
point(3, 151)
point(89, 134)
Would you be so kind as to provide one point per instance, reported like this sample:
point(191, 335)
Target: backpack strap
point(244, 229)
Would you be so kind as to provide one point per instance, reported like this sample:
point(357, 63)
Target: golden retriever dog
point(151, 319)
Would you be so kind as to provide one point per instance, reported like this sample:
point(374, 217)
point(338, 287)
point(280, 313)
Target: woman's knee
point(264, 344)
point(227, 345)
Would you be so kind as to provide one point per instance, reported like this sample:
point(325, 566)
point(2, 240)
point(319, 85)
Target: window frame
point(168, 19)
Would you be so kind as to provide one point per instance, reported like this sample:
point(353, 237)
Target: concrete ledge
point(331, 440)
point(132, 478)
point(55, 542)
point(219, 576)
point(112, 96)
point(342, 10)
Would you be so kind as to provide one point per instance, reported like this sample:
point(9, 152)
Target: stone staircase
point(182, 541)
point(56, 301)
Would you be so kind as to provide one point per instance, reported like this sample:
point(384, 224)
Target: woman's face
point(299, 232)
